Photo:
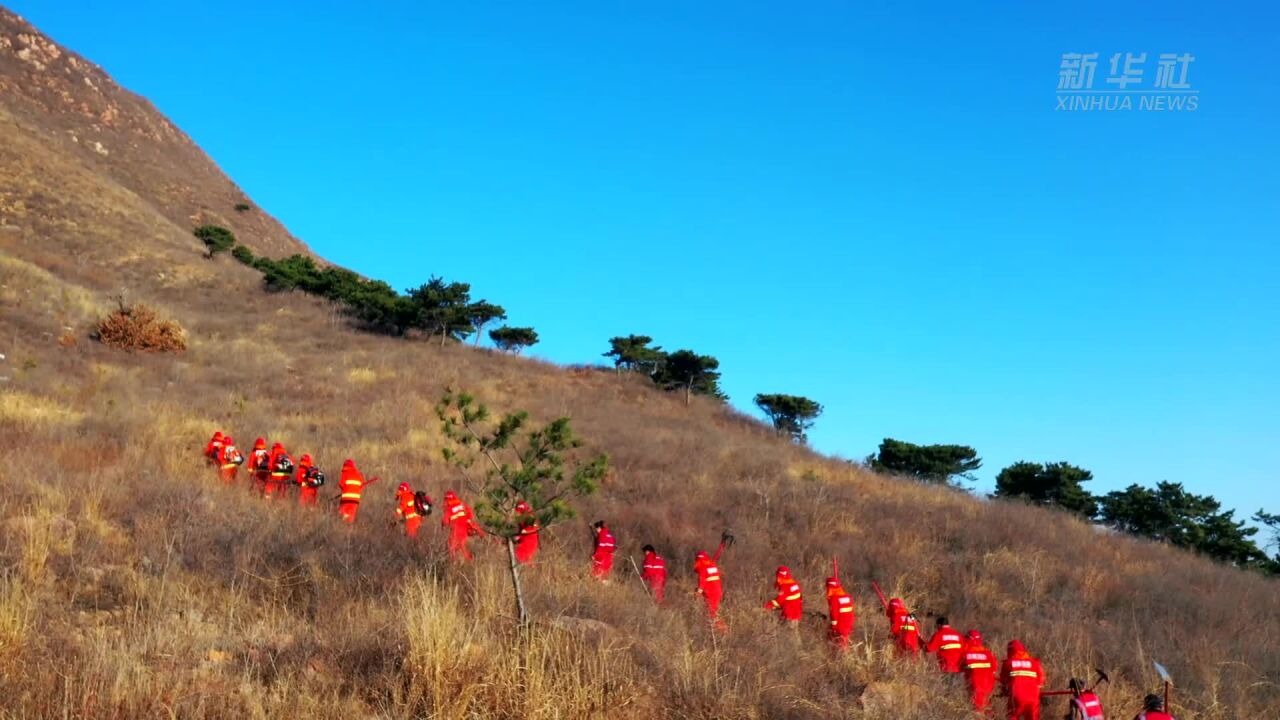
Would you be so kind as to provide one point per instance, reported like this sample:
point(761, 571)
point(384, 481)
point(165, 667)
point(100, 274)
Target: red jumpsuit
point(213, 450)
point(1153, 715)
point(949, 646)
point(281, 464)
point(903, 628)
point(1022, 677)
point(841, 613)
point(461, 523)
point(407, 511)
point(260, 463)
point(307, 492)
point(602, 554)
point(654, 575)
point(789, 600)
point(351, 484)
point(527, 536)
point(979, 665)
point(1086, 707)
point(710, 585)
point(229, 460)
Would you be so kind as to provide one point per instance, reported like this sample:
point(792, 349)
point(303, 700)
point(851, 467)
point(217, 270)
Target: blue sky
point(877, 207)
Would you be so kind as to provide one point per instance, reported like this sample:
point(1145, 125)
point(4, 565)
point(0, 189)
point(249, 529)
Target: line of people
point(1020, 677)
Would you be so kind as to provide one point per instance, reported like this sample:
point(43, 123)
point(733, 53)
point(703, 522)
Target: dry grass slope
point(133, 584)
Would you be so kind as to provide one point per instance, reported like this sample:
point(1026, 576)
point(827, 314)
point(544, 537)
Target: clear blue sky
point(877, 207)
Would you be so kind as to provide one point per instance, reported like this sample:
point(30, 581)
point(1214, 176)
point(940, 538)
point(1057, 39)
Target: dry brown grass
point(134, 585)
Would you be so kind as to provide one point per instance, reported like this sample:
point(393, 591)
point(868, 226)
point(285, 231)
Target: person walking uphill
point(309, 479)
point(654, 573)
point(1085, 704)
point(407, 510)
point(260, 463)
point(229, 459)
point(789, 601)
point(903, 628)
point(979, 670)
point(281, 464)
point(213, 449)
point(840, 612)
point(1021, 678)
point(351, 484)
point(1153, 709)
point(461, 523)
point(948, 645)
point(527, 534)
point(710, 584)
point(602, 553)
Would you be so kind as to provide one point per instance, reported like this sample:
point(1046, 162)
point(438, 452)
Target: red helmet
point(305, 459)
point(217, 435)
point(974, 637)
point(404, 487)
point(348, 463)
point(260, 444)
point(277, 446)
point(833, 582)
point(450, 496)
point(1016, 647)
point(226, 440)
point(523, 507)
point(784, 572)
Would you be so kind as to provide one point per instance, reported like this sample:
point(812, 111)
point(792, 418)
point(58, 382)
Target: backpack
point(422, 503)
point(232, 455)
point(261, 461)
point(284, 464)
point(315, 477)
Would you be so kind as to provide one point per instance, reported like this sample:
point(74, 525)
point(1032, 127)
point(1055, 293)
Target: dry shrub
point(141, 328)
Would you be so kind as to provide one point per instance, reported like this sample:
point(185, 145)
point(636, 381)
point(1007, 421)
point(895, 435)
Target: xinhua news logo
point(1127, 85)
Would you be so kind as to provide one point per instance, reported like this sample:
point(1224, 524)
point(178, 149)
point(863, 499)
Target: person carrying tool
point(903, 628)
point(260, 463)
point(948, 645)
point(527, 533)
point(654, 573)
point(351, 484)
point(789, 602)
point(309, 478)
point(281, 464)
point(407, 510)
point(979, 665)
point(229, 460)
point(1085, 704)
point(213, 449)
point(840, 613)
point(1021, 678)
point(461, 523)
point(1153, 709)
point(605, 544)
point(710, 585)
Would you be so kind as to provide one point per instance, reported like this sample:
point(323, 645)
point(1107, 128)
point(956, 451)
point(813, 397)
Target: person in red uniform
point(1153, 709)
point(654, 573)
point(602, 554)
point(979, 665)
point(903, 628)
point(948, 645)
point(710, 584)
point(1021, 678)
point(309, 479)
point(407, 510)
point(281, 464)
point(229, 460)
point(789, 602)
point(213, 449)
point(461, 523)
point(260, 463)
point(840, 612)
point(527, 534)
point(351, 484)
point(1085, 704)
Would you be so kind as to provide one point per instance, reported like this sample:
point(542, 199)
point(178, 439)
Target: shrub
point(216, 238)
point(243, 254)
point(141, 328)
point(243, 207)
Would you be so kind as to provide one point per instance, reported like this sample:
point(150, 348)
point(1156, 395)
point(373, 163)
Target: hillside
point(136, 585)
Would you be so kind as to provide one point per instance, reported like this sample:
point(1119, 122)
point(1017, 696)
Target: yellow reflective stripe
point(908, 627)
point(846, 609)
point(976, 666)
point(350, 496)
point(713, 578)
point(1022, 673)
point(228, 466)
point(793, 597)
point(951, 646)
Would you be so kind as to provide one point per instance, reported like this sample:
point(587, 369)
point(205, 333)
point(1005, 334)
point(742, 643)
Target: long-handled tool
point(1168, 683)
point(1102, 678)
point(639, 575)
point(884, 602)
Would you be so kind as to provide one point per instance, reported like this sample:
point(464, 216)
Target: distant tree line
point(1167, 513)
